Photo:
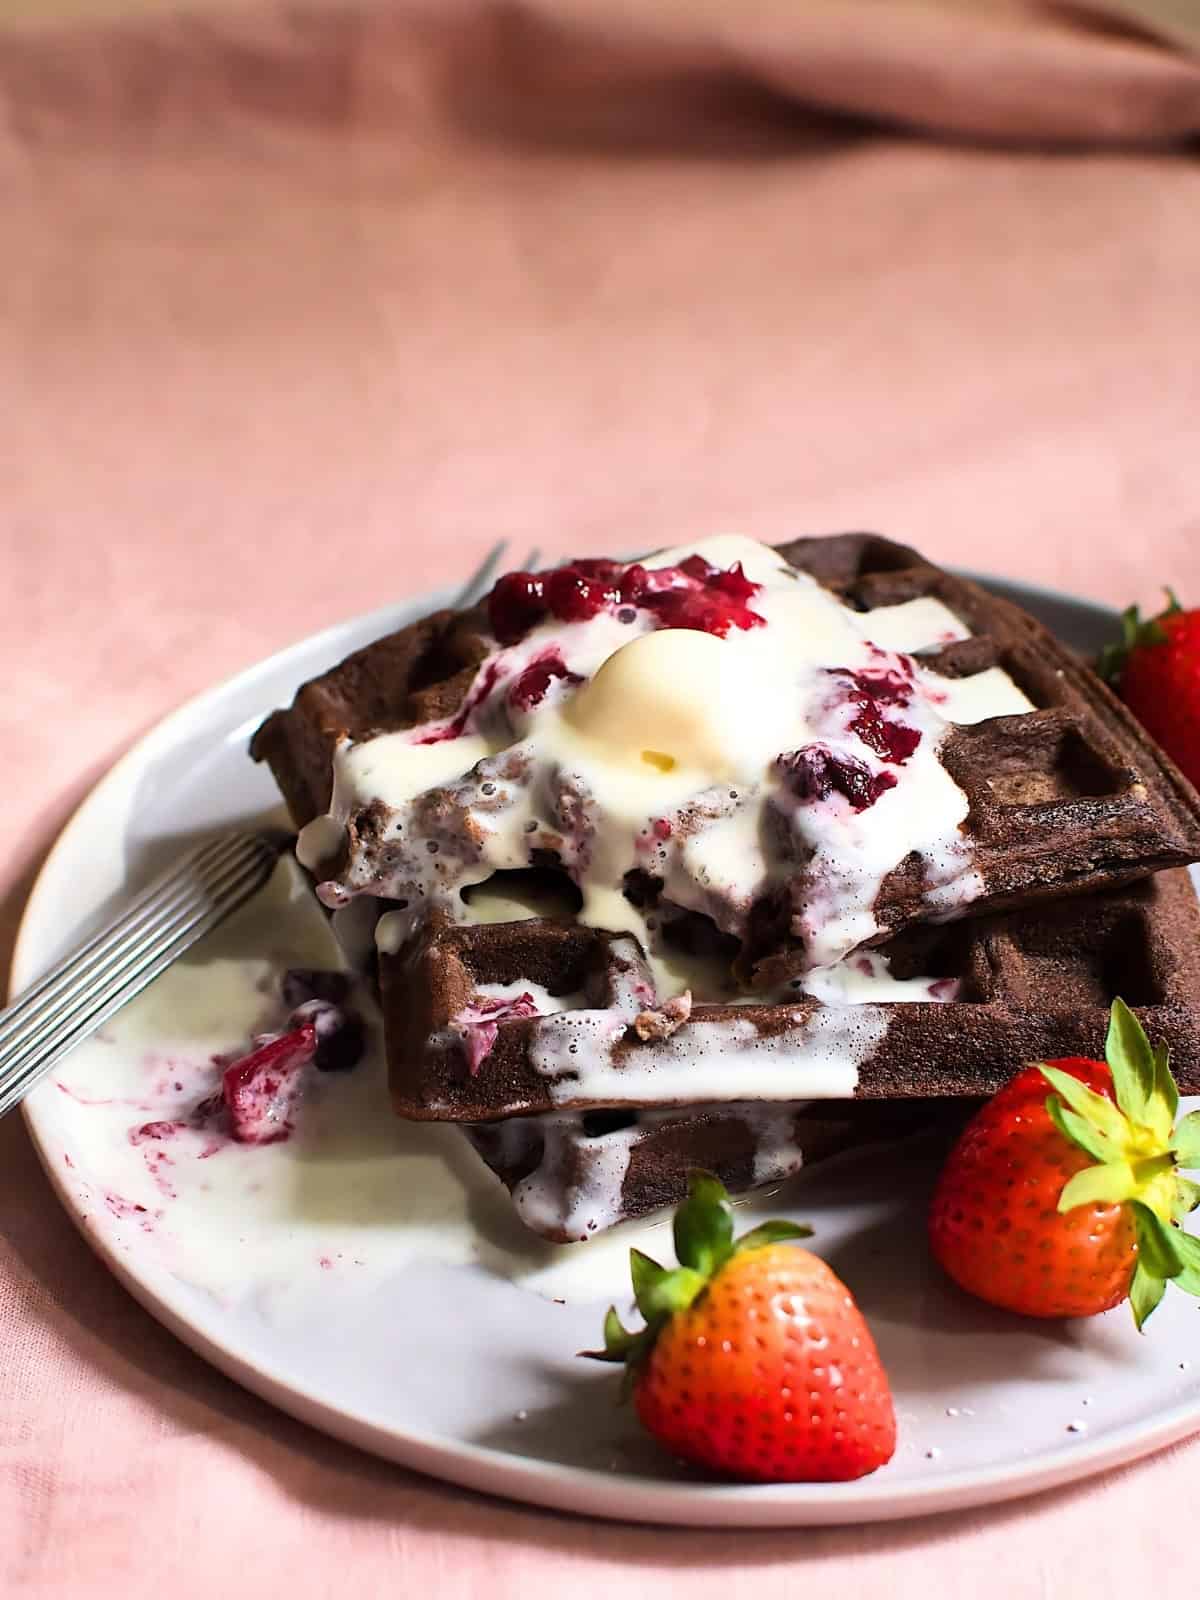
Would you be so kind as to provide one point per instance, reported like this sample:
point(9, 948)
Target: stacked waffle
point(734, 857)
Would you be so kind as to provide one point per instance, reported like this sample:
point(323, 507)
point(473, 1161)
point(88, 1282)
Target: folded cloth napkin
point(1033, 71)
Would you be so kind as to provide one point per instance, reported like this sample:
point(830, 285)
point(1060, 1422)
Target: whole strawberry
point(1065, 1205)
point(1156, 670)
point(754, 1362)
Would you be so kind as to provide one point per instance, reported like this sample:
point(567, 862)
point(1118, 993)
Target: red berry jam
point(457, 726)
point(693, 595)
point(479, 1025)
point(531, 687)
point(516, 604)
point(889, 688)
point(815, 773)
point(574, 597)
point(869, 693)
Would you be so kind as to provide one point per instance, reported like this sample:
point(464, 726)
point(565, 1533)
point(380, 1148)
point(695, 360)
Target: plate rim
point(524, 1479)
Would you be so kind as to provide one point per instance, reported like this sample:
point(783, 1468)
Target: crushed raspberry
point(693, 595)
point(702, 612)
point(516, 604)
point(573, 597)
point(894, 741)
point(698, 569)
point(261, 1090)
point(662, 828)
point(733, 583)
point(606, 571)
point(479, 1024)
point(531, 687)
point(634, 584)
point(815, 773)
point(889, 688)
point(869, 693)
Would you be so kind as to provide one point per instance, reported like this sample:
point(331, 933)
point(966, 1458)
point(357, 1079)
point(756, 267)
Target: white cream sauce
point(352, 1197)
point(668, 718)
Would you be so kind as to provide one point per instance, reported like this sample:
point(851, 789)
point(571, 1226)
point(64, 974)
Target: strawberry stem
point(1137, 1148)
point(704, 1242)
point(1136, 633)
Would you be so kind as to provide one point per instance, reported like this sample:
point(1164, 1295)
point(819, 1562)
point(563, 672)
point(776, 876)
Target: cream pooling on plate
point(660, 750)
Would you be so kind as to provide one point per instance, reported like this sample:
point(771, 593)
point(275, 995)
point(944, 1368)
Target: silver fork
point(200, 890)
point(80, 993)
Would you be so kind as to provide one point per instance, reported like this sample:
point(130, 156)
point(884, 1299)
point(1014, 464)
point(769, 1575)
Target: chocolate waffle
point(571, 1176)
point(609, 1033)
point(1029, 986)
point(990, 993)
point(1069, 795)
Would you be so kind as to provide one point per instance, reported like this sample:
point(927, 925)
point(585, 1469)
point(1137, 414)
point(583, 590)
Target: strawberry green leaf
point(618, 1341)
point(1114, 658)
point(1110, 663)
point(614, 1333)
point(1096, 1109)
point(704, 1224)
point(1156, 1242)
point(1135, 633)
point(621, 1344)
point(659, 1292)
point(772, 1233)
point(704, 1243)
point(646, 1274)
point(1188, 1249)
point(1114, 655)
point(1131, 1059)
point(1186, 1140)
point(1145, 1292)
point(1173, 605)
point(1077, 1130)
point(1110, 1184)
point(1187, 1198)
point(1164, 1099)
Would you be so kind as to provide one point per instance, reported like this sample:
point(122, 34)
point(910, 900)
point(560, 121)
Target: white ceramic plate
point(371, 1280)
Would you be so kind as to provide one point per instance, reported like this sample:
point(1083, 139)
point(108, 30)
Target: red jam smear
point(480, 1025)
point(260, 1090)
point(534, 683)
point(457, 726)
point(869, 693)
point(694, 595)
point(815, 773)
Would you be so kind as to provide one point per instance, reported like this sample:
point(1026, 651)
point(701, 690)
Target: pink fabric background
point(298, 316)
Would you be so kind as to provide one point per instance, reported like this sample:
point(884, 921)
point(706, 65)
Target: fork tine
point(197, 869)
point(119, 954)
point(480, 578)
point(89, 986)
point(23, 1066)
point(139, 901)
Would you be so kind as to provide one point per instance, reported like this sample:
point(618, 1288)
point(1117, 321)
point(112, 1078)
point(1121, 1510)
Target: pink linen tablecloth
point(297, 318)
